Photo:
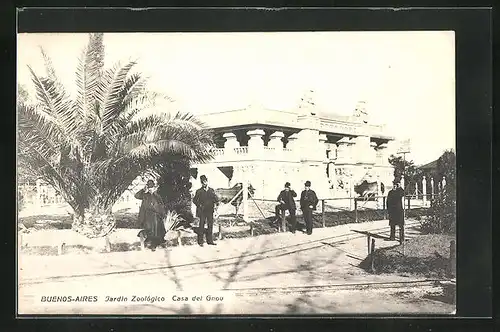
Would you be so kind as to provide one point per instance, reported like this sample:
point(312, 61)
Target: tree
point(91, 146)
point(174, 186)
point(443, 205)
point(412, 175)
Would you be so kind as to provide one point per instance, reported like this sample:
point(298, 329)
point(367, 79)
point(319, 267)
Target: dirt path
point(230, 270)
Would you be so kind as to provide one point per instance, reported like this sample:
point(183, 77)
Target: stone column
point(231, 141)
point(432, 187)
point(323, 146)
point(424, 190)
point(230, 144)
point(382, 157)
point(343, 151)
point(373, 153)
point(362, 149)
point(256, 143)
point(276, 140)
point(293, 145)
point(333, 151)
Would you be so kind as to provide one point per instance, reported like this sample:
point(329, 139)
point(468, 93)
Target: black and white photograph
point(236, 173)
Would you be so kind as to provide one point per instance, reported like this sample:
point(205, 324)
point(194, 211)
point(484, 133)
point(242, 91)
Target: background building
point(268, 147)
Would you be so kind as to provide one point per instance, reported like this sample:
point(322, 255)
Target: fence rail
point(357, 208)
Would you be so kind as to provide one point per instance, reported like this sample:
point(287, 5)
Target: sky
point(407, 79)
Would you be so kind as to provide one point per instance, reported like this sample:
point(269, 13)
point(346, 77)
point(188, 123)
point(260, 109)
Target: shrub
point(174, 186)
point(442, 214)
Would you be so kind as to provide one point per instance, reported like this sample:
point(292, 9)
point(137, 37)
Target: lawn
point(424, 256)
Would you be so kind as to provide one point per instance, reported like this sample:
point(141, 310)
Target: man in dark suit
point(151, 215)
point(308, 203)
point(395, 210)
point(206, 201)
point(287, 202)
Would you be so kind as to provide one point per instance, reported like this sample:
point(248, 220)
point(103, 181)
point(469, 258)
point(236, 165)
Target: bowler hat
point(308, 183)
point(203, 178)
point(287, 184)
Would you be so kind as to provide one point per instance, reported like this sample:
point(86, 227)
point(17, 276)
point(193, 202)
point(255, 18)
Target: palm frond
point(87, 80)
point(49, 67)
point(54, 101)
point(110, 107)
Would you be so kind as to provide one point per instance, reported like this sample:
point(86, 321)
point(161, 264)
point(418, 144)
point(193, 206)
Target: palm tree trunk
point(95, 224)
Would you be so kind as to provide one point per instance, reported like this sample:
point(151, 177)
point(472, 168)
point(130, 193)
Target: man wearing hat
point(287, 202)
point(395, 210)
point(308, 202)
point(151, 214)
point(205, 200)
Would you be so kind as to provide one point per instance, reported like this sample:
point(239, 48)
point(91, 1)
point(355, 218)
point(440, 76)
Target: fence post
point(383, 207)
point(179, 238)
point(355, 210)
point(60, 248)
point(368, 241)
point(432, 187)
point(245, 200)
point(323, 212)
point(373, 255)
point(408, 198)
point(424, 191)
point(283, 221)
point(220, 232)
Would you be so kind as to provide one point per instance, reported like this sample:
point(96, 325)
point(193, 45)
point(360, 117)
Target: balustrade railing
point(218, 152)
point(241, 150)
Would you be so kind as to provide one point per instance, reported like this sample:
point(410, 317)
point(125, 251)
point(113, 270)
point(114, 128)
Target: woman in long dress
point(151, 215)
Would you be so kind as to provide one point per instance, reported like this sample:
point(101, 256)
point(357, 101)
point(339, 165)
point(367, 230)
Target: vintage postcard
point(263, 173)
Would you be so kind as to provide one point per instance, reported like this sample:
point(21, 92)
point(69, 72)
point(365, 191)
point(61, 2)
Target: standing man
point(206, 201)
point(395, 210)
point(151, 215)
point(287, 202)
point(308, 202)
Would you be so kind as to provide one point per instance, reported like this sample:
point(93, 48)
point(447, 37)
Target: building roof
point(294, 119)
point(430, 166)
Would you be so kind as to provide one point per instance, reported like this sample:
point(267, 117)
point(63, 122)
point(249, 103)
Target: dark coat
point(288, 198)
point(205, 201)
point(151, 213)
point(308, 197)
point(395, 206)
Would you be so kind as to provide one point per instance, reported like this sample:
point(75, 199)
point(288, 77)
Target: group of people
point(308, 202)
point(152, 211)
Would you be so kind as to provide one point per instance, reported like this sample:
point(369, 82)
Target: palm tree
point(91, 146)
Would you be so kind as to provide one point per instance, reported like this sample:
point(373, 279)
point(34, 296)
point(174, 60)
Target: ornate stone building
point(268, 147)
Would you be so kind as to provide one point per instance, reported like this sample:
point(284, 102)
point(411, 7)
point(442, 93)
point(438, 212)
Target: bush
point(442, 217)
point(442, 214)
point(174, 186)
